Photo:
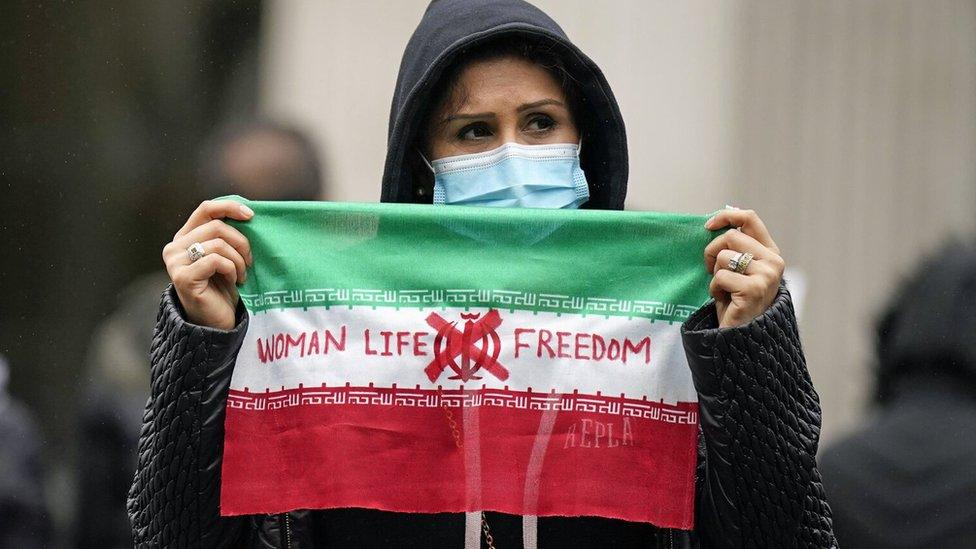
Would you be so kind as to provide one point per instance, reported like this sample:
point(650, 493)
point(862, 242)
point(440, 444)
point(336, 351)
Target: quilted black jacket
point(758, 484)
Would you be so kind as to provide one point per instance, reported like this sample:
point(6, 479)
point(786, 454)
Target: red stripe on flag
point(397, 453)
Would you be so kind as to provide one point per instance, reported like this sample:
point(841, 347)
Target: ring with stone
point(740, 262)
point(195, 251)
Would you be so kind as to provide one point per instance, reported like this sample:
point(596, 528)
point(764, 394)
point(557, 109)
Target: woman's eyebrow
point(482, 115)
point(453, 117)
point(535, 104)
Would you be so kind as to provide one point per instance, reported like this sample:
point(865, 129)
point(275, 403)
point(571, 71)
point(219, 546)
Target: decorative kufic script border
point(435, 398)
point(502, 299)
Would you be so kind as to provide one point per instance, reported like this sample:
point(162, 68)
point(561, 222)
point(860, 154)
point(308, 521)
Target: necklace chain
point(456, 433)
point(490, 541)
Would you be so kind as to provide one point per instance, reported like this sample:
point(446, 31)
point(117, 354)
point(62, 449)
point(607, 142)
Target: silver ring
point(734, 261)
point(740, 262)
point(195, 251)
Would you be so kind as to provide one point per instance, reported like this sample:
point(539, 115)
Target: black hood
point(451, 26)
point(929, 329)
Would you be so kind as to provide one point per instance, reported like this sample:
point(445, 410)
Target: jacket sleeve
point(174, 499)
point(758, 481)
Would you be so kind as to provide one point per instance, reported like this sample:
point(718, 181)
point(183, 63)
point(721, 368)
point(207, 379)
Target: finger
point(220, 246)
point(725, 283)
point(736, 241)
point(749, 223)
point(764, 272)
point(715, 290)
point(215, 209)
point(737, 289)
point(210, 230)
point(731, 292)
point(201, 270)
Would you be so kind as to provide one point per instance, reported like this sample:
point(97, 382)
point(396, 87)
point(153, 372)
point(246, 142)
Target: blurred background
point(850, 126)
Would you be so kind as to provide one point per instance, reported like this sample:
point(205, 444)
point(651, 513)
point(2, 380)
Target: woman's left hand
point(739, 298)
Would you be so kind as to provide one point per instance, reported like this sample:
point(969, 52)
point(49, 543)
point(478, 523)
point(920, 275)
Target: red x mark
point(455, 345)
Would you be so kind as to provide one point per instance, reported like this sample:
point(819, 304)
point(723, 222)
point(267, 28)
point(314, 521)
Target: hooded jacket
point(451, 27)
point(898, 480)
point(757, 482)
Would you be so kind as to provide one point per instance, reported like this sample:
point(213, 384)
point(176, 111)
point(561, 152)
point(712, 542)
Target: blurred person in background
point(109, 420)
point(481, 78)
point(258, 159)
point(907, 477)
point(24, 520)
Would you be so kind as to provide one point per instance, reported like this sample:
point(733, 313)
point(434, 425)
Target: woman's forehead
point(501, 83)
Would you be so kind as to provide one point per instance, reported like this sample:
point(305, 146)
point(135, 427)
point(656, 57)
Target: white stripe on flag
point(543, 351)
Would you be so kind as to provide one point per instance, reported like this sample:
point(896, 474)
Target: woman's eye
point(541, 124)
point(474, 131)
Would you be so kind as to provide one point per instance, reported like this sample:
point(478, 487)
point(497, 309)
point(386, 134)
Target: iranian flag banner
point(451, 359)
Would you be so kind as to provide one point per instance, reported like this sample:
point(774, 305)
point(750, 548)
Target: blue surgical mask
point(513, 175)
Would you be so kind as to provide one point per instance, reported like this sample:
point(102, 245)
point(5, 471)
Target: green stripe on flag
point(323, 254)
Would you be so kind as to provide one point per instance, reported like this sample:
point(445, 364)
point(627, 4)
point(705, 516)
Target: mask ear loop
point(432, 171)
point(426, 163)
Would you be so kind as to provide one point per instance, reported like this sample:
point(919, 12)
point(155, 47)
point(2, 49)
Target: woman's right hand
point(207, 287)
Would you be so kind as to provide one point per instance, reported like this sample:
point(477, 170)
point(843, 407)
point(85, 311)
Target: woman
point(497, 79)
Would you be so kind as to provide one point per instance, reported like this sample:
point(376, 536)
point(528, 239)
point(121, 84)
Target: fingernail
point(248, 212)
point(708, 224)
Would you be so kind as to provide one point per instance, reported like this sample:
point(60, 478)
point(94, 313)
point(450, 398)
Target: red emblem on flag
point(477, 345)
